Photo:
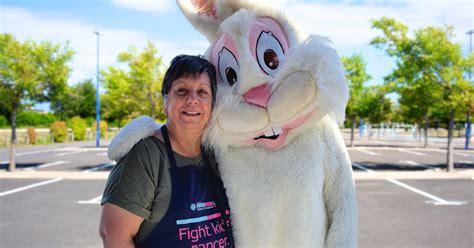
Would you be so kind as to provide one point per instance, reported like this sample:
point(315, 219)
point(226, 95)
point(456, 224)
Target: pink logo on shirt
point(198, 206)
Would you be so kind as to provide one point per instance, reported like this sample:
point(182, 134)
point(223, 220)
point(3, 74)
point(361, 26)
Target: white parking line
point(95, 200)
point(435, 200)
point(100, 167)
point(454, 152)
point(30, 186)
point(362, 167)
point(368, 152)
point(409, 162)
point(416, 164)
point(64, 149)
point(463, 154)
point(47, 165)
point(66, 153)
point(83, 149)
point(411, 152)
point(33, 152)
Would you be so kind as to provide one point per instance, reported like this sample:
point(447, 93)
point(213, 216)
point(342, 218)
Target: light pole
point(468, 121)
point(97, 98)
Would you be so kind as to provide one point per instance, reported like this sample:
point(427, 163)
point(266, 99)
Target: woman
point(165, 192)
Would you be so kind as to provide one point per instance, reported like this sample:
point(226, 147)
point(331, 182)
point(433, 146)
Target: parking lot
point(405, 198)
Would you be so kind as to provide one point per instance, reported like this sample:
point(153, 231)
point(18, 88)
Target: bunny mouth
point(274, 137)
point(272, 134)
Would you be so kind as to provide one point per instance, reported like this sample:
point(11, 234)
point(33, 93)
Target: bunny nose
point(258, 95)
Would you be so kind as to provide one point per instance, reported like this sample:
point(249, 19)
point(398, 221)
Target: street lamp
point(468, 122)
point(97, 98)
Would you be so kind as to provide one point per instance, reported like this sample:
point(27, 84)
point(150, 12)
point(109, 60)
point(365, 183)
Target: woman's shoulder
point(148, 146)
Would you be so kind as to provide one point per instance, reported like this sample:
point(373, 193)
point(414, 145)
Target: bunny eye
point(228, 67)
point(269, 53)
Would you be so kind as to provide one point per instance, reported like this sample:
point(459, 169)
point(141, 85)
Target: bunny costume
point(274, 129)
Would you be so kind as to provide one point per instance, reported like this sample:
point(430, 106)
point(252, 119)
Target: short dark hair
point(189, 65)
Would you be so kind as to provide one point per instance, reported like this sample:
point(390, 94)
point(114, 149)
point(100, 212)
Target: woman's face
point(189, 103)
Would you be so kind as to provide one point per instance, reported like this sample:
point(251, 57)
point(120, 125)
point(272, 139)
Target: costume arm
point(133, 132)
point(339, 192)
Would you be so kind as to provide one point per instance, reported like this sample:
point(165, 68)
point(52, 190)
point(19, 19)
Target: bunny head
point(273, 83)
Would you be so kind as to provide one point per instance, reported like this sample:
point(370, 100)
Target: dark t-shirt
point(141, 182)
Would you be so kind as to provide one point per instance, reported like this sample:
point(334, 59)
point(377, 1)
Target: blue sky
point(125, 23)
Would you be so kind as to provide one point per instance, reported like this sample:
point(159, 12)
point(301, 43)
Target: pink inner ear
point(206, 7)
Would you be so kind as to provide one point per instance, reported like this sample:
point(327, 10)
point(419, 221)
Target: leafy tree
point(356, 75)
point(136, 90)
point(458, 95)
point(30, 72)
point(412, 75)
point(117, 103)
point(374, 105)
point(77, 100)
point(429, 71)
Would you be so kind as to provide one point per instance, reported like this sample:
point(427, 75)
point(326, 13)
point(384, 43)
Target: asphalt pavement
point(405, 196)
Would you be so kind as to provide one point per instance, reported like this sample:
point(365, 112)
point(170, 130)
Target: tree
point(458, 95)
point(136, 90)
point(30, 72)
point(356, 75)
point(117, 103)
point(413, 75)
point(429, 72)
point(77, 100)
point(374, 105)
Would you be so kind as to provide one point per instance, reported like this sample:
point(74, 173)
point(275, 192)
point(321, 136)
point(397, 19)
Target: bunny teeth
point(273, 131)
point(277, 130)
point(269, 132)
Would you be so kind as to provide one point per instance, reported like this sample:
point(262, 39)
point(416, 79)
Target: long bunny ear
point(205, 15)
point(205, 7)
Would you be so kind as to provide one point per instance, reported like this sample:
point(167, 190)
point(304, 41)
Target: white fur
point(293, 197)
point(300, 194)
point(133, 132)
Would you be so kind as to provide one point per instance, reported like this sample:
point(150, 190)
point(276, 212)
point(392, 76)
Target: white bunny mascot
point(274, 128)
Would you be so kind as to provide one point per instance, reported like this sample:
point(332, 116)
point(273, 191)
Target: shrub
point(31, 135)
point(59, 131)
point(90, 121)
point(3, 121)
point(30, 118)
point(78, 126)
point(103, 128)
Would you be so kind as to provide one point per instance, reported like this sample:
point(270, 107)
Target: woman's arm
point(118, 226)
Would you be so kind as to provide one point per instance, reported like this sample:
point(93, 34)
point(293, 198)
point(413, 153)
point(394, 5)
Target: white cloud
point(165, 5)
point(145, 5)
point(24, 25)
point(348, 24)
